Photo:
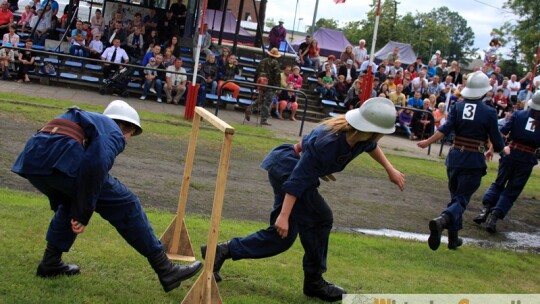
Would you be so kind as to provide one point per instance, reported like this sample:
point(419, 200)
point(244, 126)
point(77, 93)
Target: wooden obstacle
point(176, 237)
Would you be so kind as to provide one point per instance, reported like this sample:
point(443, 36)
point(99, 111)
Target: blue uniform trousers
point(462, 183)
point(116, 204)
point(511, 179)
point(311, 218)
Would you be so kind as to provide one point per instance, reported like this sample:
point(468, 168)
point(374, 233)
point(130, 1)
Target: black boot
point(491, 222)
point(482, 216)
point(454, 241)
point(436, 227)
point(222, 254)
point(171, 275)
point(52, 264)
point(316, 286)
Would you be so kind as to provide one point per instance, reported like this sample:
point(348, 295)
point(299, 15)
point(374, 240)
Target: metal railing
point(254, 85)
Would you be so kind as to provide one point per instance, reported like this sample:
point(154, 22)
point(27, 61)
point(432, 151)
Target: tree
point(324, 23)
point(460, 35)
point(270, 22)
point(526, 30)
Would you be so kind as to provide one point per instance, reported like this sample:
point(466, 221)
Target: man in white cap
point(349, 71)
point(435, 57)
point(69, 160)
point(277, 34)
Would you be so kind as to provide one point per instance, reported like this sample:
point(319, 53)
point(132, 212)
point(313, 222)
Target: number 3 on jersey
point(468, 111)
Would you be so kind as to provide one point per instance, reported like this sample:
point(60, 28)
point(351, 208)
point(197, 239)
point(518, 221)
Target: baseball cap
point(349, 61)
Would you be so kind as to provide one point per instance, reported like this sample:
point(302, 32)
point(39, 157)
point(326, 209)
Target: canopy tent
point(213, 19)
point(330, 41)
point(406, 52)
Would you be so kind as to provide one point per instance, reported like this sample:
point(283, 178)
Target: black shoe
point(322, 289)
point(491, 222)
point(482, 216)
point(222, 253)
point(248, 113)
point(170, 274)
point(436, 226)
point(265, 122)
point(454, 241)
point(52, 265)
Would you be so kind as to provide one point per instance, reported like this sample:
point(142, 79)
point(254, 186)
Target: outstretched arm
point(394, 175)
point(424, 143)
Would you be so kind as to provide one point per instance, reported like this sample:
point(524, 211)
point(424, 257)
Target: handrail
point(99, 61)
point(431, 116)
point(252, 84)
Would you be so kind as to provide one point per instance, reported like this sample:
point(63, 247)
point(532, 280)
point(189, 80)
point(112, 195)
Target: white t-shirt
point(515, 85)
point(176, 79)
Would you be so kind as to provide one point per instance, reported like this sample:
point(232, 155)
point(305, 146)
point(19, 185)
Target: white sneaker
point(159, 100)
point(142, 97)
point(153, 90)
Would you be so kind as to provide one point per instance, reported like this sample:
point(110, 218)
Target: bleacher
point(87, 73)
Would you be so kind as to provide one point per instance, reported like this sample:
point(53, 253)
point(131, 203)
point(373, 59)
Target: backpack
point(48, 69)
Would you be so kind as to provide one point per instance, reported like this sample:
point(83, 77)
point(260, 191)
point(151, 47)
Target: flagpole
point(314, 18)
point(367, 84)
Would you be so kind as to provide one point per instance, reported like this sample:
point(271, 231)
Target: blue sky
point(481, 15)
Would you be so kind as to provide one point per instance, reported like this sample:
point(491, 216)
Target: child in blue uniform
point(69, 160)
point(294, 172)
point(515, 168)
point(473, 123)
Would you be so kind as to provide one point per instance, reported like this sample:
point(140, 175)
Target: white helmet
point(121, 110)
point(477, 86)
point(376, 115)
point(534, 102)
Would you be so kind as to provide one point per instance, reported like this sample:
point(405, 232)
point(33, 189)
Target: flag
point(339, 1)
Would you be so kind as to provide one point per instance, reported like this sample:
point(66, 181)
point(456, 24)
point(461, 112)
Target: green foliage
point(439, 29)
point(112, 272)
point(525, 31)
point(324, 23)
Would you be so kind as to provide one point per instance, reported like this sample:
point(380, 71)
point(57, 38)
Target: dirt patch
point(152, 166)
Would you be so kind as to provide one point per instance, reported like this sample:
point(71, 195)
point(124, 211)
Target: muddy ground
point(152, 166)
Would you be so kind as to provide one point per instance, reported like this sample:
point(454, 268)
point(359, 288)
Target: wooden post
point(205, 288)
point(176, 238)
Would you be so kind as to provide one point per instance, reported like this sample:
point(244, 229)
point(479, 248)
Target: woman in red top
point(313, 54)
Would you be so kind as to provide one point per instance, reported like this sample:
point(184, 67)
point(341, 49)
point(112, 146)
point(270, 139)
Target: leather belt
point(522, 147)
point(468, 144)
point(65, 127)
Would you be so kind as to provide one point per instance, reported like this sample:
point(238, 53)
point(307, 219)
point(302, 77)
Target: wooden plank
point(214, 120)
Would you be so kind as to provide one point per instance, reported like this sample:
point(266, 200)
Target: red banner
point(339, 1)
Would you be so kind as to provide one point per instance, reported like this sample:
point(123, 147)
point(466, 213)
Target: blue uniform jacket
point(322, 154)
point(522, 129)
point(44, 153)
point(474, 120)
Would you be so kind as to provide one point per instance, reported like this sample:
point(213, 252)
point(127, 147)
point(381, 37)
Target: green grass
point(112, 272)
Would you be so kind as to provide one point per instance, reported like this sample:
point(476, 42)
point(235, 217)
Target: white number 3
point(468, 111)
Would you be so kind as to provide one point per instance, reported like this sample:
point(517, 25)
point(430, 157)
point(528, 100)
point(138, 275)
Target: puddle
point(519, 241)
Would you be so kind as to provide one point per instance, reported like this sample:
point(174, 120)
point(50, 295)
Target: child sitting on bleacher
point(7, 58)
point(26, 16)
point(96, 47)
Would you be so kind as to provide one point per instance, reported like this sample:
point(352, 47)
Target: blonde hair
point(339, 124)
